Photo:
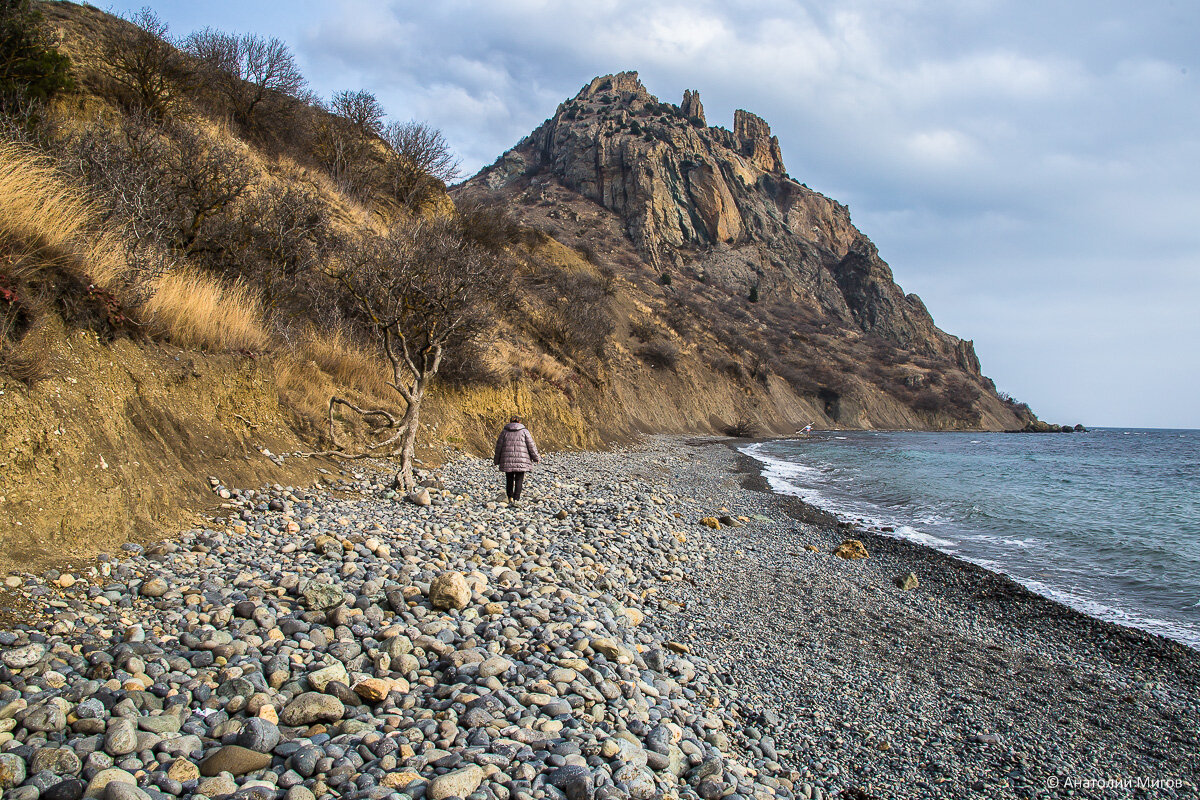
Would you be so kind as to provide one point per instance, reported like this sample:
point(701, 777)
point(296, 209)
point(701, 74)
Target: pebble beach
point(648, 622)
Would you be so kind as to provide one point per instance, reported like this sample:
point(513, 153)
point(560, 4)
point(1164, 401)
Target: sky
point(1031, 170)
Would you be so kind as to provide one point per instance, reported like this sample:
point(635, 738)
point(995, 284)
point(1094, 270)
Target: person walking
point(515, 455)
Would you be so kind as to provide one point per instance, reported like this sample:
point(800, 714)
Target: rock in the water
point(450, 590)
point(850, 549)
point(311, 707)
point(456, 783)
point(235, 760)
point(907, 581)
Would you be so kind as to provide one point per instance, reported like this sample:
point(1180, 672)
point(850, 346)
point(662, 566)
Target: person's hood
point(514, 426)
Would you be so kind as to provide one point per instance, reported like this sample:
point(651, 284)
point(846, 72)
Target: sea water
point(1107, 521)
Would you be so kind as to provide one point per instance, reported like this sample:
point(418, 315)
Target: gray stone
point(62, 761)
point(100, 781)
point(12, 770)
point(322, 596)
point(155, 587)
point(22, 657)
point(121, 737)
point(259, 734)
point(575, 781)
point(45, 718)
point(117, 790)
point(312, 707)
point(456, 783)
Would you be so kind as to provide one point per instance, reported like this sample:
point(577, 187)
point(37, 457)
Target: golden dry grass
point(45, 224)
point(195, 310)
point(349, 364)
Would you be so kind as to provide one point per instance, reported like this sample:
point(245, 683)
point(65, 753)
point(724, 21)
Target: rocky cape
point(719, 203)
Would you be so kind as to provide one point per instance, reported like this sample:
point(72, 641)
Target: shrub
point(31, 69)
point(744, 428)
point(659, 354)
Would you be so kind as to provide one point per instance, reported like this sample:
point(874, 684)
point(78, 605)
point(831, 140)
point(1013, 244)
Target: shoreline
point(807, 512)
point(983, 637)
point(633, 642)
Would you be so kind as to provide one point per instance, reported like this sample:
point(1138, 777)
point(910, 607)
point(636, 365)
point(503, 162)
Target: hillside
point(180, 227)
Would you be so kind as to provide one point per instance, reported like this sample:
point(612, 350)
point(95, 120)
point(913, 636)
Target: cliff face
point(719, 204)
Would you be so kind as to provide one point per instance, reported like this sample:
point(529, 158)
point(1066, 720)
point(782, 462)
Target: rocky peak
point(692, 107)
point(756, 142)
point(718, 204)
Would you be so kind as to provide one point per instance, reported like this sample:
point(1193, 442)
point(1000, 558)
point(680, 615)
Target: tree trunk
point(408, 447)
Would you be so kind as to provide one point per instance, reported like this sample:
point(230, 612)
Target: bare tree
point(343, 139)
point(422, 289)
point(361, 109)
point(249, 69)
point(421, 161)
point(144, 65)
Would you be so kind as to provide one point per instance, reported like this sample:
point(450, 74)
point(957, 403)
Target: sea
point(1107, 521)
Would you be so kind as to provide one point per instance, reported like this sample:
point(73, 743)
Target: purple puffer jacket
point(515, 450)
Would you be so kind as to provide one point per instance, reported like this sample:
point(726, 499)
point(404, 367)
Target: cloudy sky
point(1032, 170)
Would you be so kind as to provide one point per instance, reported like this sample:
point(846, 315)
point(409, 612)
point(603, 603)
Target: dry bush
point(744, 428)
point(52, 258)
point(543, 366)
point(643, 330)
point(659, 354)
point(195, 310)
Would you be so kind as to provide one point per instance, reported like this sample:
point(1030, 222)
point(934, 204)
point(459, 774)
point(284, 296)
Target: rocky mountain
point(705, 208)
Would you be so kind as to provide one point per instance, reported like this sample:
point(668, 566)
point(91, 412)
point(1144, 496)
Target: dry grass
point(45, 224)
point(194, 310)
point(349, 364)
point(543, 366)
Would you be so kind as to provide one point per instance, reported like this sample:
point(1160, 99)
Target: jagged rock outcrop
point(692, 107)
point(718, 203)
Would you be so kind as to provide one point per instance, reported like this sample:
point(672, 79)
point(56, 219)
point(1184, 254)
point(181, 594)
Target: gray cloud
point(1030, 169)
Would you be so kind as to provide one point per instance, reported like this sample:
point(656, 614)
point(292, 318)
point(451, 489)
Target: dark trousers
point(513, 483)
